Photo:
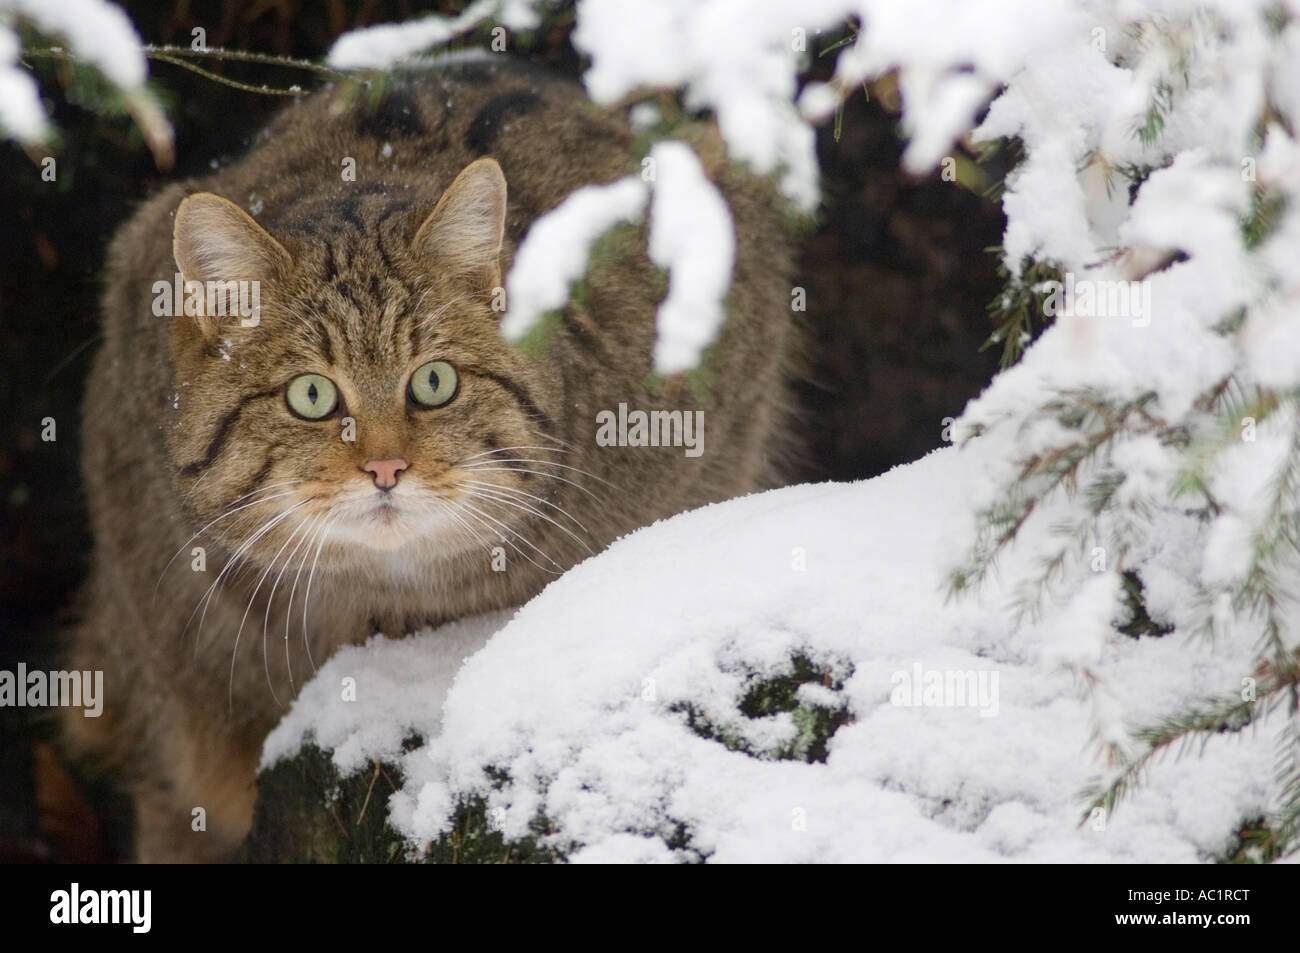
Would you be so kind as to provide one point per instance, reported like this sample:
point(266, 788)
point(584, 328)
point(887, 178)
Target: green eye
point(312, 396)
point(433, 384)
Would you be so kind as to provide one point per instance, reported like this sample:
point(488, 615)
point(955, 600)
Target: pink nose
point(385, 471)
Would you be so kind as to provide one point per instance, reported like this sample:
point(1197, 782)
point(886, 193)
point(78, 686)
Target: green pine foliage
point(1079, 468)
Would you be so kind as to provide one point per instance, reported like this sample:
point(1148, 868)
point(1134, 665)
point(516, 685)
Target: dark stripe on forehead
point(414, 329)
point(326, 343)
point(388, 230)
point(514, 389)
point(385, 328)
point(223, 431)
point(346, 292)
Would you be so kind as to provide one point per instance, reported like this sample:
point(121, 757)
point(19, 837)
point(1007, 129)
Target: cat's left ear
point(462, 235)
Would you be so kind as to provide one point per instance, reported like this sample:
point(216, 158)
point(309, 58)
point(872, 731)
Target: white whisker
point(270, 600)
point(507, 449)
point(288, 610)
point(549, 463)
point(524, 507)
point(234, 560)
point(234, 652)
point(306, 598)
point(500, 525)
point(514, 491)
point(449, 509)
point(219, 519)
point(454, 301)
point(545, 436)
point(484, 469)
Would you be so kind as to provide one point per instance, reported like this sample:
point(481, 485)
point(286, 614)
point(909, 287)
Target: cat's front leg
point(198, 807)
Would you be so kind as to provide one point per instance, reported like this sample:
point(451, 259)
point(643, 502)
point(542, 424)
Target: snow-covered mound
point(368, 699)
point(610, 704)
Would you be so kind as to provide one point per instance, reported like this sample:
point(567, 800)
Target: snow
point(95, 31)
point(1077, 109)
point(389, 44)
point(742, 60)
point(951, 57)
point(380, 47)
point(578, 698)
point(554, 253)
point(692, 237)
point(736, 57)
point(371, 715)
point(21, 112)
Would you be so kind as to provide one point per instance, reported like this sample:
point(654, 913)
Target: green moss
point(307, 813)
point(620, 243)
point(674, 123)
point(537, 341)
point(608, 252)
point(765, 697)
point(800, 224)
point(704, 379)
point(474, 840)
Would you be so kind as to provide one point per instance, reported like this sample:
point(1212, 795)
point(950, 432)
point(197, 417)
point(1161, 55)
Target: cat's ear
point(217, 244)
point(462, 235)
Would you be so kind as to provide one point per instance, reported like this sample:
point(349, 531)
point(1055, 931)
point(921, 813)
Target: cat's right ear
point(217, 244)
point(462, 235)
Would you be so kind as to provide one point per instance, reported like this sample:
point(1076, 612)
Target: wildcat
point(366, 451)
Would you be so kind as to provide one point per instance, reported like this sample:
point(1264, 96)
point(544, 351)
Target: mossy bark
point(307, 813)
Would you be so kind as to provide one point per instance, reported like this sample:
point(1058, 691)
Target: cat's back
point(405, 137)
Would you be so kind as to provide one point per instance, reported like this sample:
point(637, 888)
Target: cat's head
point(370, 403)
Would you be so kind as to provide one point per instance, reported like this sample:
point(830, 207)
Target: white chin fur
point(394, 521)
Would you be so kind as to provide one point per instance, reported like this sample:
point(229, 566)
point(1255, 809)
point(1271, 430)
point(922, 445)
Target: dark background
point(898, 277)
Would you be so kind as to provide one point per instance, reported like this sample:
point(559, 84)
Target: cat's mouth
point(384, 515)
point(387, 521)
